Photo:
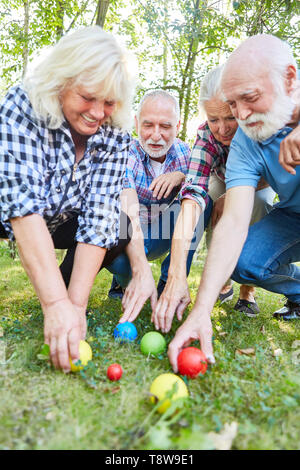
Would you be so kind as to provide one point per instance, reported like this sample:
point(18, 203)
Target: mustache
point(151, 141)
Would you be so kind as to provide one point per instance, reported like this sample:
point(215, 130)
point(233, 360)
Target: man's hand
point(194, 328)
point(64, 327)
point(139, 290)
point(163, 185)
point(217, 210)
point(289, 155)
point(175, 298)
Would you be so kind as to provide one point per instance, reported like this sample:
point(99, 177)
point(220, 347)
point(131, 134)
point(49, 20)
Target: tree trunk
point(188, 76)
point(165, 51)
point(102, 8)
point(60, 17)
point(26, 38)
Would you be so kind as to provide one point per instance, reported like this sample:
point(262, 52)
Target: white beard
point(275, 119)
point(155, 153)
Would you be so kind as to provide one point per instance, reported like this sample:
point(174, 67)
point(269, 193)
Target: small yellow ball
point(164, 384)
point(85, 355)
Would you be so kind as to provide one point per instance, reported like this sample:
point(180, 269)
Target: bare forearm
point(221, 260)
point(87, 262)
point(228, 239)
point(37, 255)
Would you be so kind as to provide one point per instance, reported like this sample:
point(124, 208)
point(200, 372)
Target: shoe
point(290, 311)
point(160, 287)
point(116, 291)
point(226, 297)
point(250, 309)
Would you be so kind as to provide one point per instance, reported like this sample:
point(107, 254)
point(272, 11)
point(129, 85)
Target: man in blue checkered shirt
point(155, 171)
point(63, 155)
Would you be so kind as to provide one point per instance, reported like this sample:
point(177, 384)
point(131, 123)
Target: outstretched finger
point(207, 345)
point(63, 353)
point(73, 341)
point(181, 308)
point(177, 344)
point(53, 352)
point(132, 313)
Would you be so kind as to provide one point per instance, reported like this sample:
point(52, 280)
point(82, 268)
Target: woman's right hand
point(64, 327)
point(174, 298)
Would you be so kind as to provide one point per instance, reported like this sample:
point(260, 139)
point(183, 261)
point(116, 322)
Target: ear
point(177, 128)
point(290, 78)
point(136, 123)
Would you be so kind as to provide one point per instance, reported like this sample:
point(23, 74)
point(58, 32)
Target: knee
point(242, 272)
point(119, 265)
point(250, 270)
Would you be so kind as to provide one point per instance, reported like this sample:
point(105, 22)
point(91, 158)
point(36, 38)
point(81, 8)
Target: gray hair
point(90, 57)
point(156, 94)
point(210, 85)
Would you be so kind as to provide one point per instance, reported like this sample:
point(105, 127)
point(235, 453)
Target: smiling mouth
point(86, 118)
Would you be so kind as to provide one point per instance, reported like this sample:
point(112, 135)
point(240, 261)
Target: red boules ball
point(191, 362)
point(114, 372)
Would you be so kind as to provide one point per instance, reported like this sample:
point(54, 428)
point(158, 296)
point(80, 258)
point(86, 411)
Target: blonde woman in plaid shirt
point(63, 154)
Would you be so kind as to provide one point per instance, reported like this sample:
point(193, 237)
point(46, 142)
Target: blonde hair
point(89, 57)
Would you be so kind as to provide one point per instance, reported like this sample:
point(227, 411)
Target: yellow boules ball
point(167, 384)
point(85, 355)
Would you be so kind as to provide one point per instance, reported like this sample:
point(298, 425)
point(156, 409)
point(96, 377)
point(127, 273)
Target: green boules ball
point(153, 343)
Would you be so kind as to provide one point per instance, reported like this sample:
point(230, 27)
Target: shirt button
point(58, 190)
point(284, 132)
point(23, 188)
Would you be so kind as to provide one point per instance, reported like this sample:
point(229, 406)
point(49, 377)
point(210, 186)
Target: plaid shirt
point(208, 156)
point(140, 174)
point(38, 173)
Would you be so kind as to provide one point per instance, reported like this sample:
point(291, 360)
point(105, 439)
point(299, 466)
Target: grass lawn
point(41, 408)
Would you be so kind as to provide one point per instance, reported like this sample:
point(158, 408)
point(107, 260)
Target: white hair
point(89, 57)
point(156, 94)
point(210, 85)
point(270, 51)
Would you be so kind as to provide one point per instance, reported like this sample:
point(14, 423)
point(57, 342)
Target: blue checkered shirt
point(140, 174)
point(38, 173)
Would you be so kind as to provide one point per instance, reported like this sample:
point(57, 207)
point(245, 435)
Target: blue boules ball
point(125, 332)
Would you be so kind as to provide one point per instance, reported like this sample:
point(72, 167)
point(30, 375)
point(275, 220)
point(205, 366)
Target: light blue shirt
point(248, 160)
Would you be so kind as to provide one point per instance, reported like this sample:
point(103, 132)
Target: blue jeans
point(271, 248)
point(157, 242)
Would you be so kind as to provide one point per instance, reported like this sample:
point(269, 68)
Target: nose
point(223, 128)
point(242, 111)
point(97, 109)
point(156, 134)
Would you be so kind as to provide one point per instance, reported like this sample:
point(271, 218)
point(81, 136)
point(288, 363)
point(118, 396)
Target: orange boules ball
point(191, 362)
point(114, 372)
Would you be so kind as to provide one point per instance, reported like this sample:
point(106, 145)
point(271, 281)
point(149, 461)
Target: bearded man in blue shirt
point(259, 83)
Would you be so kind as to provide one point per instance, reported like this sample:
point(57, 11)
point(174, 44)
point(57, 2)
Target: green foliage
point(44, 409)
point(176, 41)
